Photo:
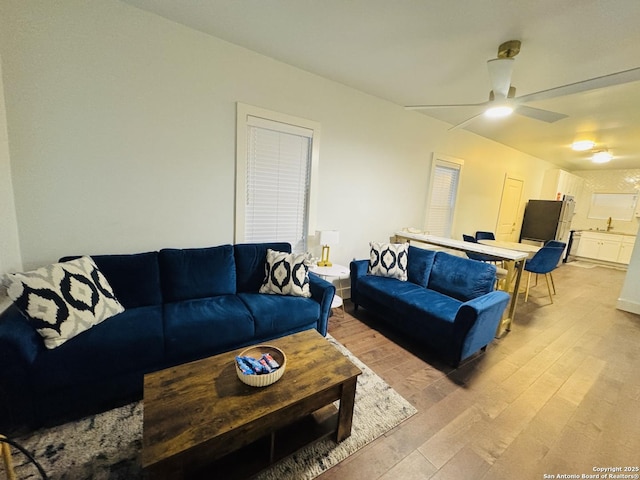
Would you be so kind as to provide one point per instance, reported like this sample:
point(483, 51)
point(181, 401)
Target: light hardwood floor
point(560, 394)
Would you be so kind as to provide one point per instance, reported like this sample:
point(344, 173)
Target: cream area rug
point(107, 446)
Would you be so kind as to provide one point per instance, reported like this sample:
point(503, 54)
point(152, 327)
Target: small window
point(442, 196)
point(276, 162)
point(617, 206)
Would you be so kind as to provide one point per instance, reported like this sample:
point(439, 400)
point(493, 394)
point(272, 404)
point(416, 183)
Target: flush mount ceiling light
point(601, 156)
point(583, 145)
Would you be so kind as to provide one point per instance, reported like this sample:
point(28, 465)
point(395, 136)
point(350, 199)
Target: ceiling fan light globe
point(499, 111)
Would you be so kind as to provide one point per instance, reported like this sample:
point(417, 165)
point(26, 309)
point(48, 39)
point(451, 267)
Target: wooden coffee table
point(197, 414)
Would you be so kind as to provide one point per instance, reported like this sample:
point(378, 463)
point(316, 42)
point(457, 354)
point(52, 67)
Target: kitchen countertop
point(610, 232)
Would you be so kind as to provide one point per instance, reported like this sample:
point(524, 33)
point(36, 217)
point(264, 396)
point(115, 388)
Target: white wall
point(122, 136)
point(10, 260)
point(486, 164)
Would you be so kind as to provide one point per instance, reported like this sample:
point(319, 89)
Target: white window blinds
point(442, 198)
point(278, 180)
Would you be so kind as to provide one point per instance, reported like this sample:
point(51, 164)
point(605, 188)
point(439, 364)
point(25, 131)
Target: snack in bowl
point(260, 365)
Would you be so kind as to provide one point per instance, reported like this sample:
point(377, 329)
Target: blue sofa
point(180, 305)
point(448, 303)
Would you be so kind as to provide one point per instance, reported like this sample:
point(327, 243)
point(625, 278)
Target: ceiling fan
point(502, 98)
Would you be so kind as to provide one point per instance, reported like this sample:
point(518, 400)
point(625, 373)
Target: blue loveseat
point(180, 305)
point(448, 303)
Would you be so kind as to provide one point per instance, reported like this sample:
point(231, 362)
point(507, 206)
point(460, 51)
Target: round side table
point(334, 271)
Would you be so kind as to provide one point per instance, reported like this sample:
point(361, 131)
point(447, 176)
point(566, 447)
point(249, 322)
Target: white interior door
point(506, 229)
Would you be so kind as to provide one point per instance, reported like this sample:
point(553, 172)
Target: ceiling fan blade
point(500, 70)
point(428, 107)
point(618, 78)
point(466, 122)
point(539, 114)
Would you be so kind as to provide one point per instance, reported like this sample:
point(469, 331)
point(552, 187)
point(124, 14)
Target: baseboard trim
point(628, 306)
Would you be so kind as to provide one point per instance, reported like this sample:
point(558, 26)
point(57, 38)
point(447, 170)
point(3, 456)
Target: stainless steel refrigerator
point(546, 220)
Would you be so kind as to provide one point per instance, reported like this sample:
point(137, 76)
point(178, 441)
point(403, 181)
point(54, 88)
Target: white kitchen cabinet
point(557, 183)
point(624, 256)
point(607, 247)
point(588, 247)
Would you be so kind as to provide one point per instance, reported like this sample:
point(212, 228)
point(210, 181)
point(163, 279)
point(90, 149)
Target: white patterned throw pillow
point(286, 274)
point(389, 260)
point(64, 299)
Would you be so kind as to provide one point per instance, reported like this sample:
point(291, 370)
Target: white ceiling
point(435, 51)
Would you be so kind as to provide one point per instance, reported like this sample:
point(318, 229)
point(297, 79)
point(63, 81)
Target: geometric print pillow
point(63, 299)
point(389, 260)
point(286, 274)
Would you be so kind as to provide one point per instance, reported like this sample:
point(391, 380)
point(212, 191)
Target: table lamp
point(327, 238)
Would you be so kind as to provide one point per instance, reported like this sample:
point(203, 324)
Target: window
point(618, 206)
point(443, 192)
point(276, 164)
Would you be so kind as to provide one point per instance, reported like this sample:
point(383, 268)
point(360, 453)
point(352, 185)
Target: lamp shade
point(329, 237)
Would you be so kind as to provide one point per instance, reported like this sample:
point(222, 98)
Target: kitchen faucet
point(609, 226)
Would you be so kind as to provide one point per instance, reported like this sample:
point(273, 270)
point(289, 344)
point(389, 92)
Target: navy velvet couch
point(448, 303)
point(180, 305)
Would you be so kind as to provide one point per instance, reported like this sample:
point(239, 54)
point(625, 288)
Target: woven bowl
point(266, 378)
